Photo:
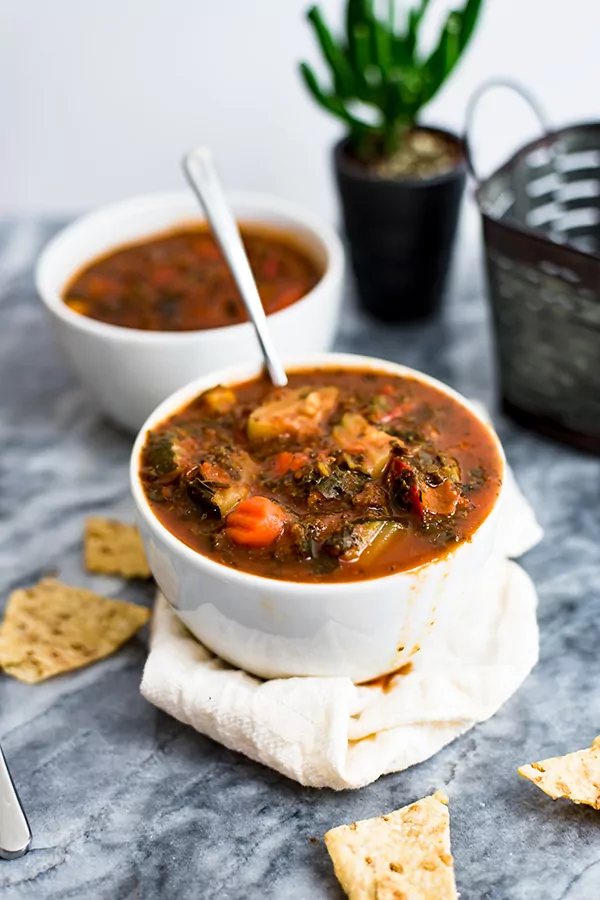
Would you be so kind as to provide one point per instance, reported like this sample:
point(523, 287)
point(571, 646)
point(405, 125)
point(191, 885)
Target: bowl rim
point(233, 375)
point(115, 212)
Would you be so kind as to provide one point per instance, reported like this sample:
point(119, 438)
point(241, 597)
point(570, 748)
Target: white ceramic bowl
point(129, 371)
point(274, 628)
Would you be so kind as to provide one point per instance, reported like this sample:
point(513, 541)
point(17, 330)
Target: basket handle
point(473, 103)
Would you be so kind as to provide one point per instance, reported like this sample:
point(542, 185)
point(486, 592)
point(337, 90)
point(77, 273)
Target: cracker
point(52, 628)
point(114, 549)
point(405, 854)
point(575, 776)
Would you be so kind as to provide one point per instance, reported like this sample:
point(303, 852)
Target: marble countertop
point(127, 803)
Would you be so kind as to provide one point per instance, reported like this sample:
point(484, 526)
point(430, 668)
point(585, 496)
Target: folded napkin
point(328, 732)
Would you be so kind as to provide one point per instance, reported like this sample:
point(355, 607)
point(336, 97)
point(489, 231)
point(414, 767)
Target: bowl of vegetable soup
point(142, 300)
point(323, 528)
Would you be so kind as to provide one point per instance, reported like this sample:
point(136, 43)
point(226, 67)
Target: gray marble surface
point(127, 803)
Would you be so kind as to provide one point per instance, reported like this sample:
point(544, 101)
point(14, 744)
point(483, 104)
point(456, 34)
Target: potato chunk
point(356, 435)
point(220, 400)
point(292, 413)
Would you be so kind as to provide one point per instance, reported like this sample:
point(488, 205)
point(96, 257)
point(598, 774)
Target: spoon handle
point(15, 834)
point(203, 179)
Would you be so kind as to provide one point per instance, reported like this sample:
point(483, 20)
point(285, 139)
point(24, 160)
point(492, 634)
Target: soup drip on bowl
point(343, 475)
point(179, 280)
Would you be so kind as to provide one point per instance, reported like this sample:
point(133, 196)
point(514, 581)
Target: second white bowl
point(129, 371)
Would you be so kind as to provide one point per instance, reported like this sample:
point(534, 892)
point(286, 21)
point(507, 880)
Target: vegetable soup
point(179, 281)
point(344, 474)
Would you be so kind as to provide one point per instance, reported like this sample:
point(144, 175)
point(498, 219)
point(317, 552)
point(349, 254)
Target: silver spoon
point(15, 834)
point(202, 176)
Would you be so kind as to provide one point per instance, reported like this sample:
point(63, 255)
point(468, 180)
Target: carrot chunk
point(255, 522)
point(289, 462)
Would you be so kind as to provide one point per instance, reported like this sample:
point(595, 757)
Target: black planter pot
point(400, 235)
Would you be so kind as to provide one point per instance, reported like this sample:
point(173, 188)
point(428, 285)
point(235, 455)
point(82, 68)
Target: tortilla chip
point(575, 776)
point(114, 549)
point(52, 628)
point(405, 854)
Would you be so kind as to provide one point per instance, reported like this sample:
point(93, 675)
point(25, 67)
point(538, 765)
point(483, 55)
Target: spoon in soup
point(202, 176)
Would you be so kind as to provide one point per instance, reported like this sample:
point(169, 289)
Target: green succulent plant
point(379, 63)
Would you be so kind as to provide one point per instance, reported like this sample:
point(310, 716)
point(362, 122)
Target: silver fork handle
point(15, 834)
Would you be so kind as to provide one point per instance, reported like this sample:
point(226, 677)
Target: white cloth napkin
point(328, 732)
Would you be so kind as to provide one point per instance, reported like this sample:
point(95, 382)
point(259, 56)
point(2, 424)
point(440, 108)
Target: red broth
point(179, 281)
point(343, 475)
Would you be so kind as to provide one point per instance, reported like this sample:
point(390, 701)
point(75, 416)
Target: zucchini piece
point(160, 455)
point(371, 538)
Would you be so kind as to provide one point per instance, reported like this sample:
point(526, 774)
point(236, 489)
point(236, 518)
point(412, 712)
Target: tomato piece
point(441, 500)
point(392, 414)
point(212, 472)
point(289, 462)
point(410, 491)
point(417, 500)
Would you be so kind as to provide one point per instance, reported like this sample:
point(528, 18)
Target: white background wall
point(99, 98)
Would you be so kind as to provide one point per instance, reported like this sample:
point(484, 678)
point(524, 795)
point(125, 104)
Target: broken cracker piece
point(113, 548)
point(575, 776)
point(405, 854)
point(51, 628)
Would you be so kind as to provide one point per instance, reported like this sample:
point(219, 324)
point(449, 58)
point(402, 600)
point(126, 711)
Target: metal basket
point(541, 225)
